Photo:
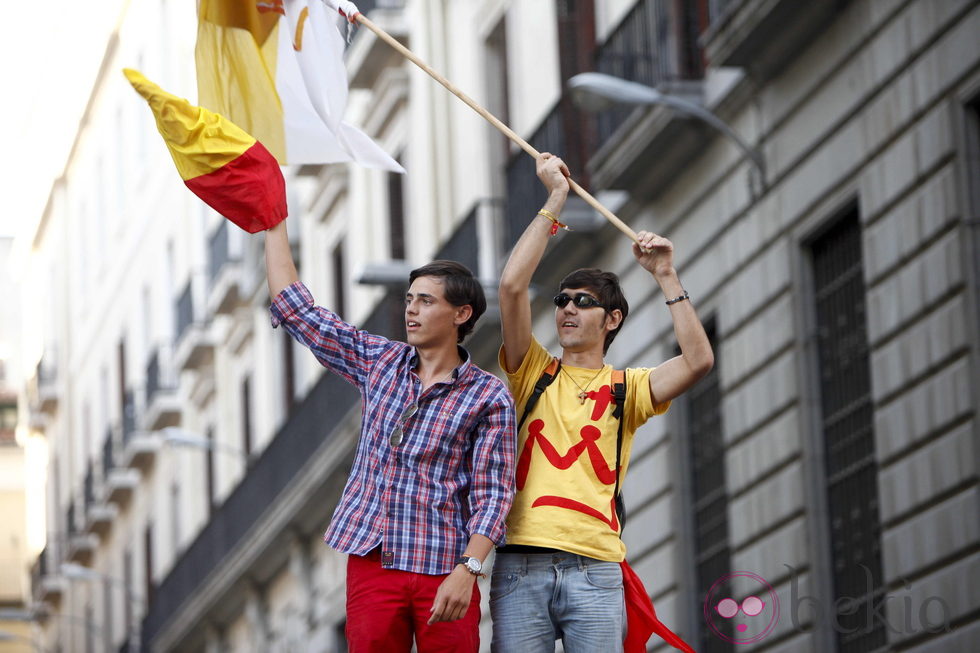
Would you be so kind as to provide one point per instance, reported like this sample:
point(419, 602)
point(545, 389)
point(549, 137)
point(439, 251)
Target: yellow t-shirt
point(566, 452)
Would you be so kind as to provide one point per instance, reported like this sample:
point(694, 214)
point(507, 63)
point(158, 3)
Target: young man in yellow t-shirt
point(559, 574)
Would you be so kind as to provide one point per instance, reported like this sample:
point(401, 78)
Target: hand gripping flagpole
point(489, 117)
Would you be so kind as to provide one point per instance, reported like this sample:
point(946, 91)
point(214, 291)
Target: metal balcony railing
point(160, 376)
point(108, 454)
point(464, 245)
point(130, 416)
point(89, 488)
point(47, 372)
point(70, 520)
point(185, 309)
point(717, 9)
point(525, 193)
point(656, 42)
point(218, 250)
point(367, 6)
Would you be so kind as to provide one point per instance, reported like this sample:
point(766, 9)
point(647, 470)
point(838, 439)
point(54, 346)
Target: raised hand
point(655, 253)
point(553, 173)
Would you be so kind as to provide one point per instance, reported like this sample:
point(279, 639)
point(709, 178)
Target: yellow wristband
point(548, 214)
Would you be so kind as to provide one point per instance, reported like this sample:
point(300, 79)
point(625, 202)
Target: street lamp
point(38, 613)
point(598, 91)
point(14, 637)
point(75, 571)
point(181, 438)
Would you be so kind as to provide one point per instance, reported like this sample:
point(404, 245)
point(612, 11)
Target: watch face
point(474, 565)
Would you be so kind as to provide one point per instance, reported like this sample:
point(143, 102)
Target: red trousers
point(386, 607)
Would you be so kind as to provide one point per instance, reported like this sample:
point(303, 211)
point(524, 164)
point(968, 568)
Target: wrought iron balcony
point(565, 131)
point(140, 446)
point(759, 35)
point(80, 545)
point(224, 269)
point(47, 383)
point(655, 44)
point(162, 404)
point(367, 55)
point(194, 343)
point(464, 245)
point(89, 488)
point(47, 585)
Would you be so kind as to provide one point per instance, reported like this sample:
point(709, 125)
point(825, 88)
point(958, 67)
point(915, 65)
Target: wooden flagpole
point(489, 117)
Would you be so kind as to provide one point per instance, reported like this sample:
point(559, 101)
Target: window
point(128, 593)
point(709, 494)
point(847, 431)
point(209, 461)
point(396, 215)
point(174, 516)
point(498, 100)
point(148, 563)
point(247, 416)
point(339, 293)
point(288, 373)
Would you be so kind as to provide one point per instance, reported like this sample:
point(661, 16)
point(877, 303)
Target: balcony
point(102, 513)
point(641, 148)
point(47, 585)
point(47, 383)
point(139, 446)
point(367, 55)
point(162, 404)
point(565, 131)
point(761, 35)
point(224, 270)
point(118, 482)
point(474, 244)
point(98, 515)
point(280, 466)
point(81, 545)
point(194, 343)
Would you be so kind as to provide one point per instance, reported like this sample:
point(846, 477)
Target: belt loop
point(524, 558)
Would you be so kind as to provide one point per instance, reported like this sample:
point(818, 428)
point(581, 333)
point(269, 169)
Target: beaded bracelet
point(678, 299)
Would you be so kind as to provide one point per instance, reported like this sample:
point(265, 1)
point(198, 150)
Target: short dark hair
point(460, 288)
point(606, 287)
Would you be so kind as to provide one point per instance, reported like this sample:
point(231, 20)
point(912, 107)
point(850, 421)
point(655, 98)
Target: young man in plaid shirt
point(433, 474)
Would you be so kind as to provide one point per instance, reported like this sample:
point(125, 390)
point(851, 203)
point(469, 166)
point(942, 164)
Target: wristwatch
point(472, 565)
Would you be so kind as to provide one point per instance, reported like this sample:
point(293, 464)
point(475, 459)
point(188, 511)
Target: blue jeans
point(538, 598)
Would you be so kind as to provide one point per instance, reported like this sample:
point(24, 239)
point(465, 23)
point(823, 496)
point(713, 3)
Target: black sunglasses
point(581, 300)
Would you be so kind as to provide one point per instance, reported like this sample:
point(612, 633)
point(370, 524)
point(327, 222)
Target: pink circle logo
point(741, 622)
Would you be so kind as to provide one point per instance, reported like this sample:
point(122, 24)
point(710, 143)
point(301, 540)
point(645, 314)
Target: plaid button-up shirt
point(451, 477)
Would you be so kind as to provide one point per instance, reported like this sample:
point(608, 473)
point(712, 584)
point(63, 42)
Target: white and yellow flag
point(276, 69)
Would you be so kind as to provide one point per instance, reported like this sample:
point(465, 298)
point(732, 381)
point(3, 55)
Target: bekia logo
point(746, 622)
point(754, 617)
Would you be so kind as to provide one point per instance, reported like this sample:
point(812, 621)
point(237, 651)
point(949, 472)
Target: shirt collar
point(459, 372)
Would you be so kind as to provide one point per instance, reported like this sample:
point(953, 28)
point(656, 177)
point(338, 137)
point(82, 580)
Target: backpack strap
point(619, 396)
point(547, 376)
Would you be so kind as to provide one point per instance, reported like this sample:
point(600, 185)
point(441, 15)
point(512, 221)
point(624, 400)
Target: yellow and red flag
point(221, 163)
point(276, 68)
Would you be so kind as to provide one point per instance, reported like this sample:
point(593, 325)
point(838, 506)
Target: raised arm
point(515, 303)
point(678, 374)
point(279, 267)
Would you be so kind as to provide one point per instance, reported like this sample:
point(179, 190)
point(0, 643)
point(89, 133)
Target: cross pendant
point(582, 396)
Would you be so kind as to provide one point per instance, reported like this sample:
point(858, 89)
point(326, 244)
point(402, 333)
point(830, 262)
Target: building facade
point(827, 464)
